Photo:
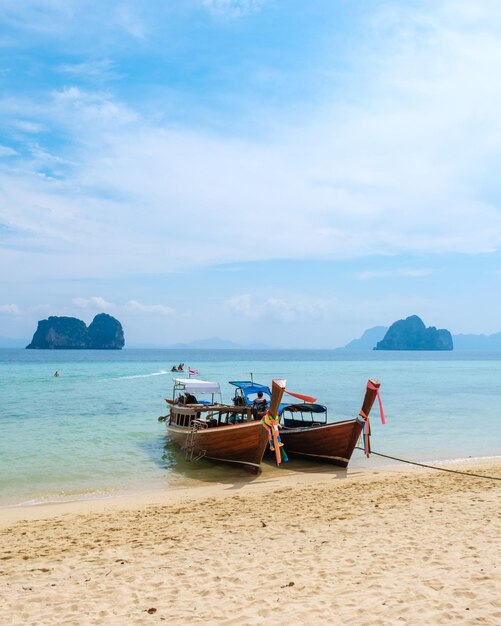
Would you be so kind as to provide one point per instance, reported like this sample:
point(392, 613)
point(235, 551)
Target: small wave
point(37, 502)
point(61, 500)
point(160, 373)
point(465, 459)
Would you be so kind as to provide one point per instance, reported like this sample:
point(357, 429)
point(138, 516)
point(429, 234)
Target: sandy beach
point(406, 546)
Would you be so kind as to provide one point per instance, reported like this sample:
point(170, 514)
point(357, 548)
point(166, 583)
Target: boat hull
point(239, 444)
point(329, 443)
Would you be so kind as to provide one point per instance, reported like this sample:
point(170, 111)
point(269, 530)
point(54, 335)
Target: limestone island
point(412, 334)
point(69, 333)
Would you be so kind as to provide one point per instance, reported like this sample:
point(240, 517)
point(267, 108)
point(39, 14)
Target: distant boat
point(211, 430)
point(305, 432)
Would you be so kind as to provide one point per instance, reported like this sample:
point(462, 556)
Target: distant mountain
point(215, 343)
point(412, 334)
point(368, 340)
point(478, 342)
point(471, 342)
point(9, 342)
point(144, 346)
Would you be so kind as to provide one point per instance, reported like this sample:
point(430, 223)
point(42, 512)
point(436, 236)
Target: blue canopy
point(247, 387)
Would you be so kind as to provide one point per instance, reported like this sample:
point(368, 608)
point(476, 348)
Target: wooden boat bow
point(371, 393)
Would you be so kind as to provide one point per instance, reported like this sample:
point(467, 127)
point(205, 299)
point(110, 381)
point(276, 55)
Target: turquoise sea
point(94, 430)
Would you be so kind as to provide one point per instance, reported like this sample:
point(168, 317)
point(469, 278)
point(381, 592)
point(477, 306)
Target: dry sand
point(384, 547)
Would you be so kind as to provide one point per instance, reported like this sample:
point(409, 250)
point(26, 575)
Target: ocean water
point(94, 430)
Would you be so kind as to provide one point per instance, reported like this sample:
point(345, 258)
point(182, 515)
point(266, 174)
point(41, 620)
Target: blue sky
point(266, 171)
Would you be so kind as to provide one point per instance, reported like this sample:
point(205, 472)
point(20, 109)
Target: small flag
point(192, 372)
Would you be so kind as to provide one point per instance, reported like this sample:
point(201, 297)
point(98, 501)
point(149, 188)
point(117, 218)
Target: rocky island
point(69, 333)
point(412, 334)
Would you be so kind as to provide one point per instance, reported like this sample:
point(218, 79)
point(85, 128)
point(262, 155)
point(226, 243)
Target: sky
point(279, 172)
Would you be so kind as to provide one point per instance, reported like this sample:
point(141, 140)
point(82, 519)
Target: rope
point(441, 469)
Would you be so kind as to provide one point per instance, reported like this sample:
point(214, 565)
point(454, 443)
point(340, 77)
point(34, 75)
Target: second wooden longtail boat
point(331, 443)
point(304, 430)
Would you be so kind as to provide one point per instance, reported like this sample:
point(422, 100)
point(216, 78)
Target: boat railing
point(211, 415)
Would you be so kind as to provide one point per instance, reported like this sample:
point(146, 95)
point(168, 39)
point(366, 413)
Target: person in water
point(173, 368)
point(56, 373)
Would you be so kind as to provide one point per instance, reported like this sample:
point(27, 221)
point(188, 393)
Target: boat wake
point(160, 373)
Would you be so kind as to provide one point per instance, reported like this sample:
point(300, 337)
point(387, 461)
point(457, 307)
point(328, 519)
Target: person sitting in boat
point(260, 403)
point(239, 401)
point(190, 399)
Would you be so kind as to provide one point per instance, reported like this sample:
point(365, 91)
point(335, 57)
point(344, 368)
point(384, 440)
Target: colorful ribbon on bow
point(276, 445)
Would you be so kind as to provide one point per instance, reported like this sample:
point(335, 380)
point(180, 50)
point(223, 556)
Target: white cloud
point(233, 8)
point(272, 308)
point(10, 309)
point(73, 20)
point(95, 302)
point(96, 69)
point(155, 309)
point(29, 127)
point(402, 161)
point(77, 105)
point(132, 306)
point(405, 273)
point(6, 151)
point(44, 16)
point(44, 156)
point(130, 21)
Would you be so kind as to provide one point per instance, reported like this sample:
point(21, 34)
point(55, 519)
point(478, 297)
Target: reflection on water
point(203, 470)
point(180, 470)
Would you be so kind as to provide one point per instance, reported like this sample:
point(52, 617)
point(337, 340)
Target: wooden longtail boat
point(219, 432)
point(330, 443)
point(304, 430)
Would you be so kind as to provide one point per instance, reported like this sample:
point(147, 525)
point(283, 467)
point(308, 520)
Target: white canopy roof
point(195, 385)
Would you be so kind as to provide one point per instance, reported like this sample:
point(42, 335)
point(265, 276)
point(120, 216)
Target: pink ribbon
point(301, 396)
point(381, 410)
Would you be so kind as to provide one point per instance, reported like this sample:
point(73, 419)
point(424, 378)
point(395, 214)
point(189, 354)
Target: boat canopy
point(249, 387)
point(196, 386)
point(304, 408)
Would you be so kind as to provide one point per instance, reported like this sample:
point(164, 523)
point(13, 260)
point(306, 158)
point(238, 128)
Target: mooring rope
point(440, 469)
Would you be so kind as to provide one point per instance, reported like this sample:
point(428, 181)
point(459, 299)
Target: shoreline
point(306, 474)
point(268, 471)
point(403, 545)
